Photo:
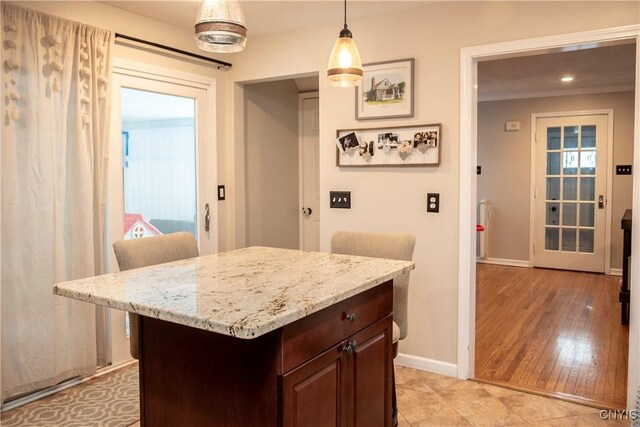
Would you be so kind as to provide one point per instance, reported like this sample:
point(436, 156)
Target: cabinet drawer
point(313, 334)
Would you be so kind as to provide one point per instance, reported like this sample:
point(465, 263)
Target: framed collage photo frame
point(417, 145)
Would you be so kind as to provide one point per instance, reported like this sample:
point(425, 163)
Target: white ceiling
point(596, 70)
point(602, 69)
point(266, 16)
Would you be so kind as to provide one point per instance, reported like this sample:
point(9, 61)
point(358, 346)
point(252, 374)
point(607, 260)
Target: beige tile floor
point(426, 399)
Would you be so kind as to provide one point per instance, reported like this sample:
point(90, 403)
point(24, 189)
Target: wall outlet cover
point(433, 202)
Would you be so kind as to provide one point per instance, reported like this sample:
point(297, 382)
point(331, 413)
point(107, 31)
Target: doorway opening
point(469, 339)
point(546, 150)
point(281, 136)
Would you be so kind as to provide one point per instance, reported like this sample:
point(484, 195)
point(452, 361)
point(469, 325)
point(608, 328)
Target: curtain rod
point(221, 64)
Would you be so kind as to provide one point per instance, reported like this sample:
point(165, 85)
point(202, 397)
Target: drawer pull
point(351, 317)
point(350, 347)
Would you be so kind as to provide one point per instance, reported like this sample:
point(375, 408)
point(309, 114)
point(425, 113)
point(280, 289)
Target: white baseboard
point(615, 271)
point(504, 261)
point(429, 365)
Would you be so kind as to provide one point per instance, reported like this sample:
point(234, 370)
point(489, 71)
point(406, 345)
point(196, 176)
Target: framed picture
point(386, 90)
point(389, 146)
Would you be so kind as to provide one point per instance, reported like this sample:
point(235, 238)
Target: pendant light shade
point(220, 26)
point(345, 67)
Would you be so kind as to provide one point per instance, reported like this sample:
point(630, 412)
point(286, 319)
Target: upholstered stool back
point(137, 253)
point(382, 245)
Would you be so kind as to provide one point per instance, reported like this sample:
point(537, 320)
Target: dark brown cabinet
point(624, 294)
point(312, 394)
point(372, 363)
point(347, 385)
point(331, 368)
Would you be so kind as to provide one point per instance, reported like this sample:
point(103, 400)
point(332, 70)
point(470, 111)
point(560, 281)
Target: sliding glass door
point(162, 174)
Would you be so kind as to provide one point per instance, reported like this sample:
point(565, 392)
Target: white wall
point(505, 158)
point(394, 199)
point(433, 33)
point(271, 164)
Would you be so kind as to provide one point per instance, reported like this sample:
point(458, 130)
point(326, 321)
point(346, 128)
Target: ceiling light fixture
point(567, 79)
point(220, 26)
point(345, 67)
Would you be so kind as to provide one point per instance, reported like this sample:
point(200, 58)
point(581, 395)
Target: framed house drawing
point(386, 90)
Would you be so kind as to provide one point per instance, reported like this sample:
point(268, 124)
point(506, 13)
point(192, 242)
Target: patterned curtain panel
point(53, 159)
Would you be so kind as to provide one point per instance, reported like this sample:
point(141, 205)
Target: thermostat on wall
point(512, 125)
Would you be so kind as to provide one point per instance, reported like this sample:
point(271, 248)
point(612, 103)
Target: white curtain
point(55, 86)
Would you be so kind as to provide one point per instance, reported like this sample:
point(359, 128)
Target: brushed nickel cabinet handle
point(207, 217)
point(348, 348)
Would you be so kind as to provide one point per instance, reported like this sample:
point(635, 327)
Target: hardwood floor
point(552, 332)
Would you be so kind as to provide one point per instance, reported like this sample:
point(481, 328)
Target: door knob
point(600, 202)
point(306, 211)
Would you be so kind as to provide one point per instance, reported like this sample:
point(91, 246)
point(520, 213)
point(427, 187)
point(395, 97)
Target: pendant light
point(345, 66)
point(220, 26)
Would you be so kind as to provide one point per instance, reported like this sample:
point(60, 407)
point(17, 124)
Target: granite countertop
point(243, 293)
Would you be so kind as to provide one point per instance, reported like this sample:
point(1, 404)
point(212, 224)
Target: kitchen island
point(259, 337)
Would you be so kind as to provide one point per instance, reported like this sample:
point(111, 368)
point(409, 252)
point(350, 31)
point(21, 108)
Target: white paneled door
point(309, 173)
point(570, 192)
point(162, 169)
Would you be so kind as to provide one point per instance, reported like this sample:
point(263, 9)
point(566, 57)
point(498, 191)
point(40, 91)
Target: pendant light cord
point(345, 14)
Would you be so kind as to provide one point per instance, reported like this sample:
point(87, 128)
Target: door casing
point(469, 58)
point(303, 174)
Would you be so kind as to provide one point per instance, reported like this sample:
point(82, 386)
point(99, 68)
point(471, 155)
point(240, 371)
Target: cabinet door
point(312, 393)
point(372, 364)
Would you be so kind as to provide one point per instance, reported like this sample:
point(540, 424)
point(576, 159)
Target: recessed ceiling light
point(567, 78)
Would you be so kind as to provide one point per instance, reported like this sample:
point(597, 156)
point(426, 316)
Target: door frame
point(301, 172)
point(115, 352)
point(468, 196)
point(208, 84)
point(609, 175)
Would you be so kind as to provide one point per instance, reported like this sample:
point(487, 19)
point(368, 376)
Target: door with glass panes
point(162, 170)
point(570, 192)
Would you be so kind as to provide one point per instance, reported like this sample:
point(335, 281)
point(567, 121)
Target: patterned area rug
point(111, 400)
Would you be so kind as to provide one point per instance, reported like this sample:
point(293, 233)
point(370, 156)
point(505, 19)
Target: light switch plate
point(623, 169)
point(340, 199)
point(512, 125)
